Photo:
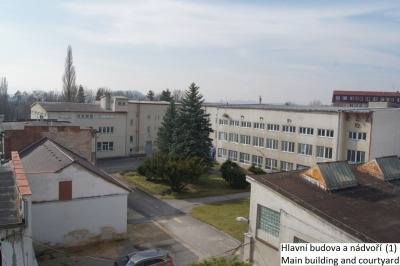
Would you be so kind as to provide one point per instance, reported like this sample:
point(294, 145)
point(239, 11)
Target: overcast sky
point(295, 51)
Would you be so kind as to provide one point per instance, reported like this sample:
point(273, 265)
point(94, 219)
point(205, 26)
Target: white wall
point(17, 244)
point(385, 133)
point(294, 221)
point(80, 221)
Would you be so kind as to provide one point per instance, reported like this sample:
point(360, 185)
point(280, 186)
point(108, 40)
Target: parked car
point(154, 257)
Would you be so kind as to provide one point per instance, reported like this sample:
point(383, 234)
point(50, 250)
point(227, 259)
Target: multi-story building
point(284, 138)
point(123, 127)
point(363, 98)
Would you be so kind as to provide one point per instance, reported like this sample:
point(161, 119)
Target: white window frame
point(288, 129)
point(354, 156)
point(268, 220)
point(258, 142)
point(244, 158)
point(223, 122)
point(234, 123)
point(106, 130)
point(245, 139)
point(271, 164)
point(221, 153)
point(232, 155)
point(257, 160)
point(272, 144)
point(327, 133)
point(304, 149)
point(257, 125)
point(324, 152)
point(357, 135)
point(286, 166)
point(222, 135)
point(233, 137)
point(272, 127)
point(306, 131)
point(105, 146)
point(287, 146)
point(245, 124)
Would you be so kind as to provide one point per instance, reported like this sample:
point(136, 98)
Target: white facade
point(97, 210)
point(296, 224)
point(279, 138)
point(124, 127)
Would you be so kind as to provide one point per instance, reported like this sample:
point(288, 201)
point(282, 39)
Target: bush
point(234, 175)
point(256, 170)
point(174, 170)
point(221, 262)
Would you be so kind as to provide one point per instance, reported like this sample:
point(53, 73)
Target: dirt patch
point(145, 233)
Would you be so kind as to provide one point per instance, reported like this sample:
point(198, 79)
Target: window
point(222, 135)
point(355, 156)
point(367, 99)
point(289, 129)
point(221, 152)
point(223, 122)
point(148, 129)
point(244, 139)
point(272, 144)
point(105, 146)
point(325, 133)
point(108, 117)
point(121, 103)
point(305, 149)
point(131, 122)
point(306, 130)
point(286, 166)
point(302, 167)
point(287, 146)
point(234, 123)
point(271, 164)
point(344, 98)
point(232, 155)
point(257, 160)
point(272, 127)
point(246, 124)
point(376, 99)
point(65, 190)
point(130, 139)
point(357, 135)
point(298, 240)
point(233, 137)
point(245, 158)
point(337, 98)
point(258, 125)
point(64, 116)
point(84, 116)
point(324, 152)
point(268, 220)
point(106, 130)
point(258, 142)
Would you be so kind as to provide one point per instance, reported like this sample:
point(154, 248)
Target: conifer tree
point(165, 132)
point(193, 128)
point(80, 98)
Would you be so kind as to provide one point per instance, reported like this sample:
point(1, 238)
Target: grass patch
point(222, 216)
point(205, 186)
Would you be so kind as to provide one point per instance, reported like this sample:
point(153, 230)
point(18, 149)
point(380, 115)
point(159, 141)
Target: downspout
point(370, 137)
point(338, 144)
point(137, 127)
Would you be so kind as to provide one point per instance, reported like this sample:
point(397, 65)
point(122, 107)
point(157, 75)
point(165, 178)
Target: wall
point(79, 140)
point(385, 133)
point(294, 221)
point(97, 211)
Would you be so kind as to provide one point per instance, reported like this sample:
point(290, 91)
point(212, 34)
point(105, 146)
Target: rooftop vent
point(330, 176)
point(384, 168)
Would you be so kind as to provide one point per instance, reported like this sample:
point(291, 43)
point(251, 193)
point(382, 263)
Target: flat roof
point(72, 107)
point(369, 211)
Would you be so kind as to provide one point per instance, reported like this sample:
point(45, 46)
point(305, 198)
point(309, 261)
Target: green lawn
point(222, 216)
point(207, 185)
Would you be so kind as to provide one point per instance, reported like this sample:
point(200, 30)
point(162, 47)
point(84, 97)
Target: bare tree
point(69, 85)
point(90, 95)
point(4, 98)
point(315, 103)
point(177, 95)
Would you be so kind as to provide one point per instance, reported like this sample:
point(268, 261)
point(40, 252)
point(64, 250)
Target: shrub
point(221, 262)
point(256, 170)
point(234, 175)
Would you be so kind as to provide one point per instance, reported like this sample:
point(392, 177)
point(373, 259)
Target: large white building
point(124, 127)
point(284, 138)
point(331, 202)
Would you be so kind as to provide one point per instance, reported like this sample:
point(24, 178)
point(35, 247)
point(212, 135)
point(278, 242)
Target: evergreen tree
point(193, 128)
point(166, 96)
point(150, 95)
point(80, 98)
point(165, 132)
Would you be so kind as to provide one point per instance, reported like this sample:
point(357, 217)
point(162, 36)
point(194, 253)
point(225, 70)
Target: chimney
point(105, 101)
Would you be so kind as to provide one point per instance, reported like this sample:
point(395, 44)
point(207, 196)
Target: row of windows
point(285, 128)
point(106, 130)
point(367, 99)
point(105, 146)
point(85, 116)
point(353, 156)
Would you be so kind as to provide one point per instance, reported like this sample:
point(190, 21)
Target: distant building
point(124, 127)
point(15, 215)
point(329, 203)
point(285, 138)
point(363, 98)
point(73, 202)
